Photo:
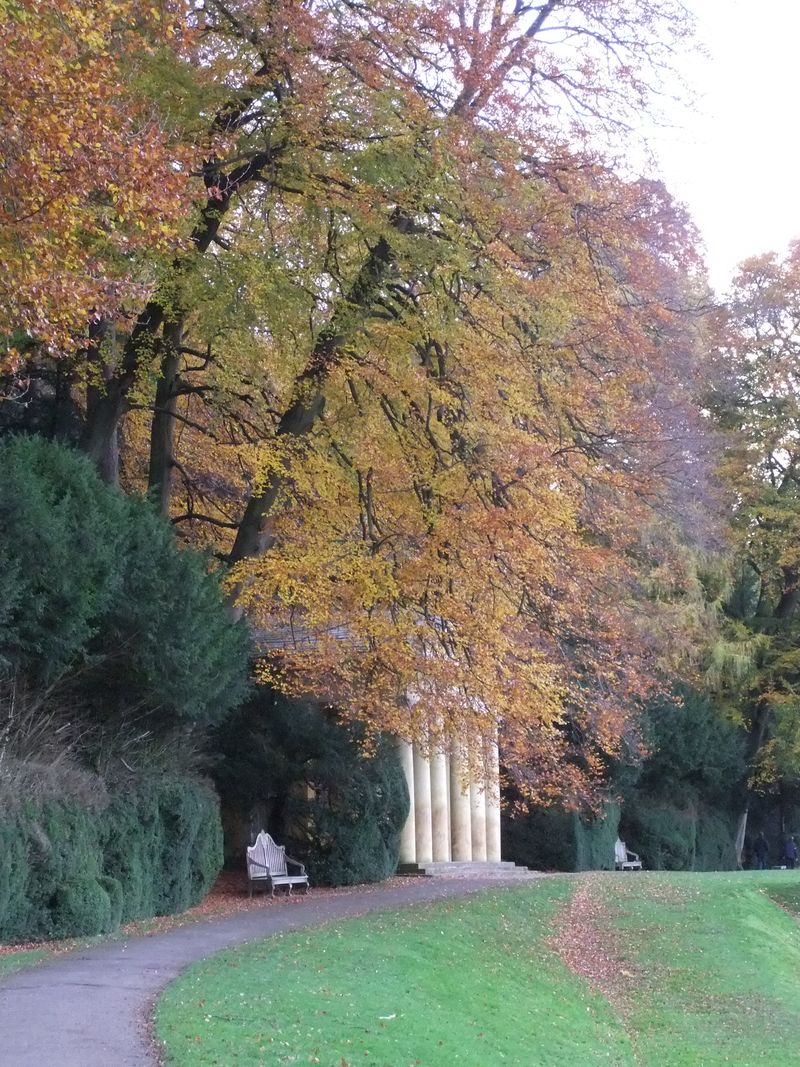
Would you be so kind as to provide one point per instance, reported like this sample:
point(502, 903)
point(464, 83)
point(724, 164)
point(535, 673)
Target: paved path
point(91, 1008)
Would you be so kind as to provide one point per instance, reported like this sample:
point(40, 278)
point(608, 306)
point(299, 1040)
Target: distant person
point(790, 853)
point(761, 851)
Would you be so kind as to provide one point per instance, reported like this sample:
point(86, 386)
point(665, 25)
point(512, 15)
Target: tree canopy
point(388, 332)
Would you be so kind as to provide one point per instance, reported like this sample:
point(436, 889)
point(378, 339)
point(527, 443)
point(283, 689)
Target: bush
point(293, 767)
point(681, 813)
point(66, 871)
point(61, 536)
point(681, 838)
point(93, 587)
point(595, 839)
point(182, 653)
point(81, 908)
point(555, 839)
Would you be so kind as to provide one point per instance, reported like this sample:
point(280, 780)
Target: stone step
point(465, 869)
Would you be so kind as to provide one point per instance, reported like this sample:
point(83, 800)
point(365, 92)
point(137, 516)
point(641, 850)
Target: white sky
point(736, 161)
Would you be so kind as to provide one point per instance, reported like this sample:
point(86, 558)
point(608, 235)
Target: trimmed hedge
point(691, 837)
point(555, 839)
point(66, 871)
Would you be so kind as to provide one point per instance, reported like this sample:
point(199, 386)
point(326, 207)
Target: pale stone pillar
point(408, 844)
point(460, 831)
point(477, 799)
point(493, 802)
point(447, 763)
point(439, 824)
point(423, 828)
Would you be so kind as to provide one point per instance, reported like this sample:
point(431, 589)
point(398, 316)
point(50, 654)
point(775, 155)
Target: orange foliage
point(432, 380)
point(463, 357)
point(90, 176)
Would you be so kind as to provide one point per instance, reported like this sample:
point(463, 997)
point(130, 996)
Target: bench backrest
point(265, 853)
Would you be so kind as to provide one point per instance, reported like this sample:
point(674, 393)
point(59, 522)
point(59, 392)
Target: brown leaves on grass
point(590, 948)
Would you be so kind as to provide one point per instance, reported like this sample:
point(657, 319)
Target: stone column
point(408, 844)
point(439, 822)
point(477, 804)
point(448, 763)
point(423, 827)
point(460, 831)
point(493, 802)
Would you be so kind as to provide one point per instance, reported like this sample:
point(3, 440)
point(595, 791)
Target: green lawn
point(15, 961)
point(456, 983)
point(717, 965)
point(708, 972)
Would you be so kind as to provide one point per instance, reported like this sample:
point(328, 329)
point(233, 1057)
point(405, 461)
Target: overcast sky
point(736, 161)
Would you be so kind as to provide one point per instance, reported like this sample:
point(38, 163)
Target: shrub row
point(689, 837)
point(66, 871)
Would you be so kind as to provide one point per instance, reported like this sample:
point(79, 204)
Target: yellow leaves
point(77, 138)
point(456, 525)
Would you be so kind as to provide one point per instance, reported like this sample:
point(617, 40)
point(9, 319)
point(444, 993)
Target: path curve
point(91, 1008)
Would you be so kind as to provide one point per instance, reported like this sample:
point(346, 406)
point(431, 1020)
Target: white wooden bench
point(624, 859)
point(268, 864)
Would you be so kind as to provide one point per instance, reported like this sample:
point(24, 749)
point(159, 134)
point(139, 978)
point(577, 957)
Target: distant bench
point(624, 859)
point(268, 864)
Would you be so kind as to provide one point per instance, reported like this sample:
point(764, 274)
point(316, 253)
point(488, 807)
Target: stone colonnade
point(451, 819)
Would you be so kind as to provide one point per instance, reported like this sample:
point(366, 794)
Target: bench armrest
point(295, 863)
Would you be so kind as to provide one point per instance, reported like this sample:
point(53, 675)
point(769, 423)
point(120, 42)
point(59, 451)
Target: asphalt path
point(92, 1007)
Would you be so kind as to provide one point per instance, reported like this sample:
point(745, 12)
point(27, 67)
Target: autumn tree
point(757, 402)
point(461, 418)
point(413, 372)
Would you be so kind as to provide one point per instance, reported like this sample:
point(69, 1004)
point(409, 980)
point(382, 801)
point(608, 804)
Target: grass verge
point(471, 983)
point(15, 961)
point(714, 966)
point(702, 970)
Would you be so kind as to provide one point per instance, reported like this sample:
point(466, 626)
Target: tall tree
point(757, 401)
point(415, 365)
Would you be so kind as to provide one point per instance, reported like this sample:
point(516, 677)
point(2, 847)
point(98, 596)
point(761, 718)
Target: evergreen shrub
point(94, 588)
point(595, 839)
point(681, 813)
point(68, 871)
point(560, 840)
point(681, 838)
point(294, 768)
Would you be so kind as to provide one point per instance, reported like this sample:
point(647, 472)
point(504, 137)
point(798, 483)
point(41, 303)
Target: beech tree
point(413, 372)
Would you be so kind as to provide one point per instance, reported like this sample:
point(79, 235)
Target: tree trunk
point(790, 596)
point(253, 538)
point(100, 439)
point(105, 405)
point(162, 431)
point(741, 831)
point(755, 739)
